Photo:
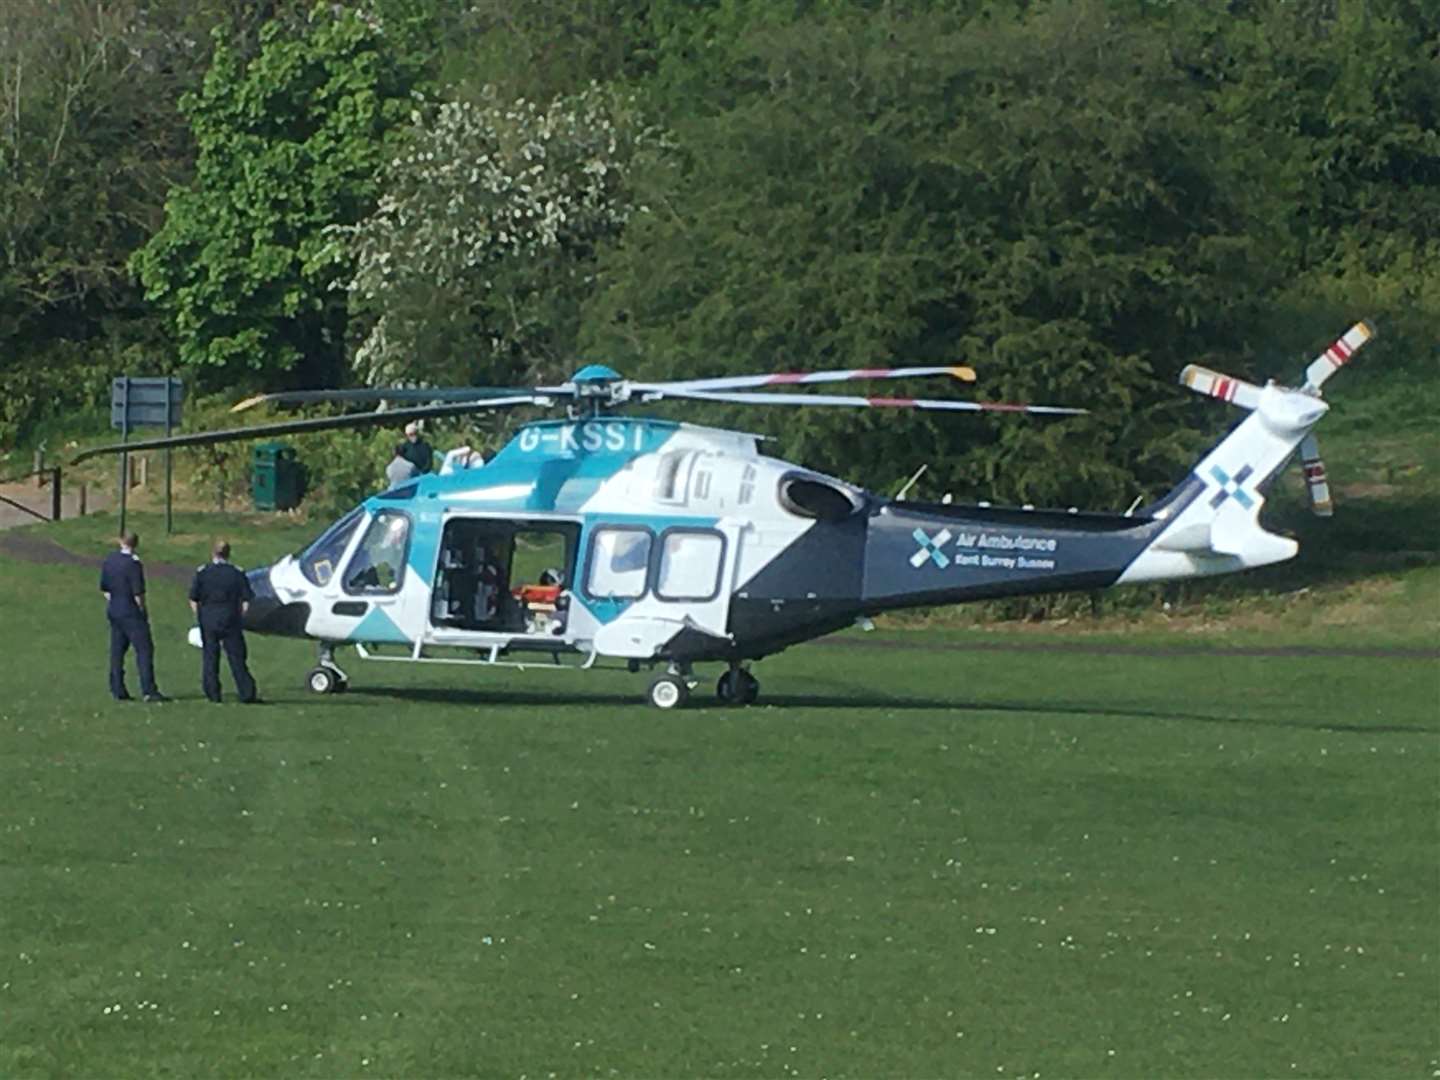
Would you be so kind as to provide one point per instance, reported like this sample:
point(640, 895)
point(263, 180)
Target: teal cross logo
point(930, 549)
point(1232, 487)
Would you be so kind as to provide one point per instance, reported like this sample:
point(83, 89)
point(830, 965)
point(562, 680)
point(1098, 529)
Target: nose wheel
point(326, 676)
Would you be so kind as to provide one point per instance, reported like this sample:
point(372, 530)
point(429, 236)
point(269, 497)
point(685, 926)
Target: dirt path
point(28, 547)
point(37, 499)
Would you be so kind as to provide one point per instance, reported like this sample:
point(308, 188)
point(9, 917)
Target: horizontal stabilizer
point(1194, 539)
point(1213, 384)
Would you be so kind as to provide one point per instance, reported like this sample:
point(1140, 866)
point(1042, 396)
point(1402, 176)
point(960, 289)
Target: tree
point(1343, 100)
point(89, 141)
point(475, 262)
point(289, 143)
point(922, 190)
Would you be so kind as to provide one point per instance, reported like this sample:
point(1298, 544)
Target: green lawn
point(907, 862)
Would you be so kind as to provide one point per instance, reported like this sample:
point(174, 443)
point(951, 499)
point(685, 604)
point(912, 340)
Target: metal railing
point(53, 472)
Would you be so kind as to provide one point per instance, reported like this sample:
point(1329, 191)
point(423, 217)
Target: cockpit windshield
point(319, 560)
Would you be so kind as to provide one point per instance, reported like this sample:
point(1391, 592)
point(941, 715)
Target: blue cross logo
point(1232, 486)
point(930, 549)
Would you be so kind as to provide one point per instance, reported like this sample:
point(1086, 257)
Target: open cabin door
point(503, 581)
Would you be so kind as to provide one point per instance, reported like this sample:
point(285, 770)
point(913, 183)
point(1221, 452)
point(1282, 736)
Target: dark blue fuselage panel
point(903, 555)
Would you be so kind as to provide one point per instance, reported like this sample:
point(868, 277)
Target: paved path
point(32, 547)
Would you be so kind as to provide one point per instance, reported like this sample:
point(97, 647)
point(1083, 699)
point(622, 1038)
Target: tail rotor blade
point(1337, 355)
point(1213, 384)
point(1315, 480)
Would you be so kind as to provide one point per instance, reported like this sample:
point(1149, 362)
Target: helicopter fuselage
point(650, 540)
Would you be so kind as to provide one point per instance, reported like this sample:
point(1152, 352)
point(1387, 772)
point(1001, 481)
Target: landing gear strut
point(326, 677)
point(737, 686)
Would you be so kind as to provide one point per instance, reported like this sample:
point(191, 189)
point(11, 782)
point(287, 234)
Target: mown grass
point(907, 862)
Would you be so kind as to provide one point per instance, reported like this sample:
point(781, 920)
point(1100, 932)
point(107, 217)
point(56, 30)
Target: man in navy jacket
point(122, 580)
point(219, 596)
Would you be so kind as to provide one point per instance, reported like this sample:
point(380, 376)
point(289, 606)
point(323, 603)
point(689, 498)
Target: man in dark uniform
point(219, 596)
point(416, 450)
point(122, 580)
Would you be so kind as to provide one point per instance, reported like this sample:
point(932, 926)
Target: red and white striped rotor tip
point(1316, 482)
point(1337, 354)
point(1213, 384)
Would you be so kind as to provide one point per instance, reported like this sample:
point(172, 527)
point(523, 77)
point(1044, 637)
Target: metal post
point(169, 518)
point(55, 494)
point(124, 437)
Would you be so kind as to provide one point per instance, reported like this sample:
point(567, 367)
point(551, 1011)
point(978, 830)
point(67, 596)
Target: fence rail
point(54, 474)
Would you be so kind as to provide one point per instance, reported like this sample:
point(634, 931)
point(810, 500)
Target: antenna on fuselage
point(900, 495)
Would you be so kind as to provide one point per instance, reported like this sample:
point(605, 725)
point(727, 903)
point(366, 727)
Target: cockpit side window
point(378, 565)
point(319, 560)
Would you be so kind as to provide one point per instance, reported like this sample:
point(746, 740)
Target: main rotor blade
point(741, 382)
point(393, 393)
point(319, 423)
point(869, 402)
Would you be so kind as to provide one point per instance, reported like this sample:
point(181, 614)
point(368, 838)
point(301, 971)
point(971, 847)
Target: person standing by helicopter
point(401, 468)
point(122, 580)
point(220, 594)
point(416, 450)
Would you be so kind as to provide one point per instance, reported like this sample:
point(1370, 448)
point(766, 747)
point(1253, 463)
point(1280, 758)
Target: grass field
point(909, 861)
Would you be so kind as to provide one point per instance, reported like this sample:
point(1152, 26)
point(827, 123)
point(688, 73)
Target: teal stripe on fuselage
point(553, 466)
point(378, 626)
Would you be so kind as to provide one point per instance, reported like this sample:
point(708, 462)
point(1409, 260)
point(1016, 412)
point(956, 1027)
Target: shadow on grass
point(704, 703)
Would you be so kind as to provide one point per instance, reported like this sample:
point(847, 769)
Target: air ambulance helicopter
point(653, 543)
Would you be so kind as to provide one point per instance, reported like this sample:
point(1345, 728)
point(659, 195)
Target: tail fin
point(1214, 515)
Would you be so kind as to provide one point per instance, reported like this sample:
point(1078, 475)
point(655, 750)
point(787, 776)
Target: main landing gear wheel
point(324, 680)
point(669, 692)
point(737, 687)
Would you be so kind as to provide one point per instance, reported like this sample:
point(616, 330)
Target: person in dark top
point(122, 580)
point(220, 594)
point(416, 450)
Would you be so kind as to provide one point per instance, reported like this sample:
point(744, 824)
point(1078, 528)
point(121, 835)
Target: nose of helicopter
point(268, 613)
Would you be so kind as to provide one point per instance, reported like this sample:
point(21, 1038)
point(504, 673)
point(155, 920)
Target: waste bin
point(276, 477)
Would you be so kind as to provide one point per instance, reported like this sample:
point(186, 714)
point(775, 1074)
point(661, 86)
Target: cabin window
point(690, 564)
point(378, 565)
point(319, 560)
point(619, 563)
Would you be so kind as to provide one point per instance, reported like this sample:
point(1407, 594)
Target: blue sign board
point(145, 402)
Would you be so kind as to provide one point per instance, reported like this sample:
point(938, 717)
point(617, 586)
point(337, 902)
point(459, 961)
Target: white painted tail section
point(1218, 530)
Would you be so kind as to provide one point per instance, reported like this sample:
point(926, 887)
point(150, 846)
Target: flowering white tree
point(477, 259)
